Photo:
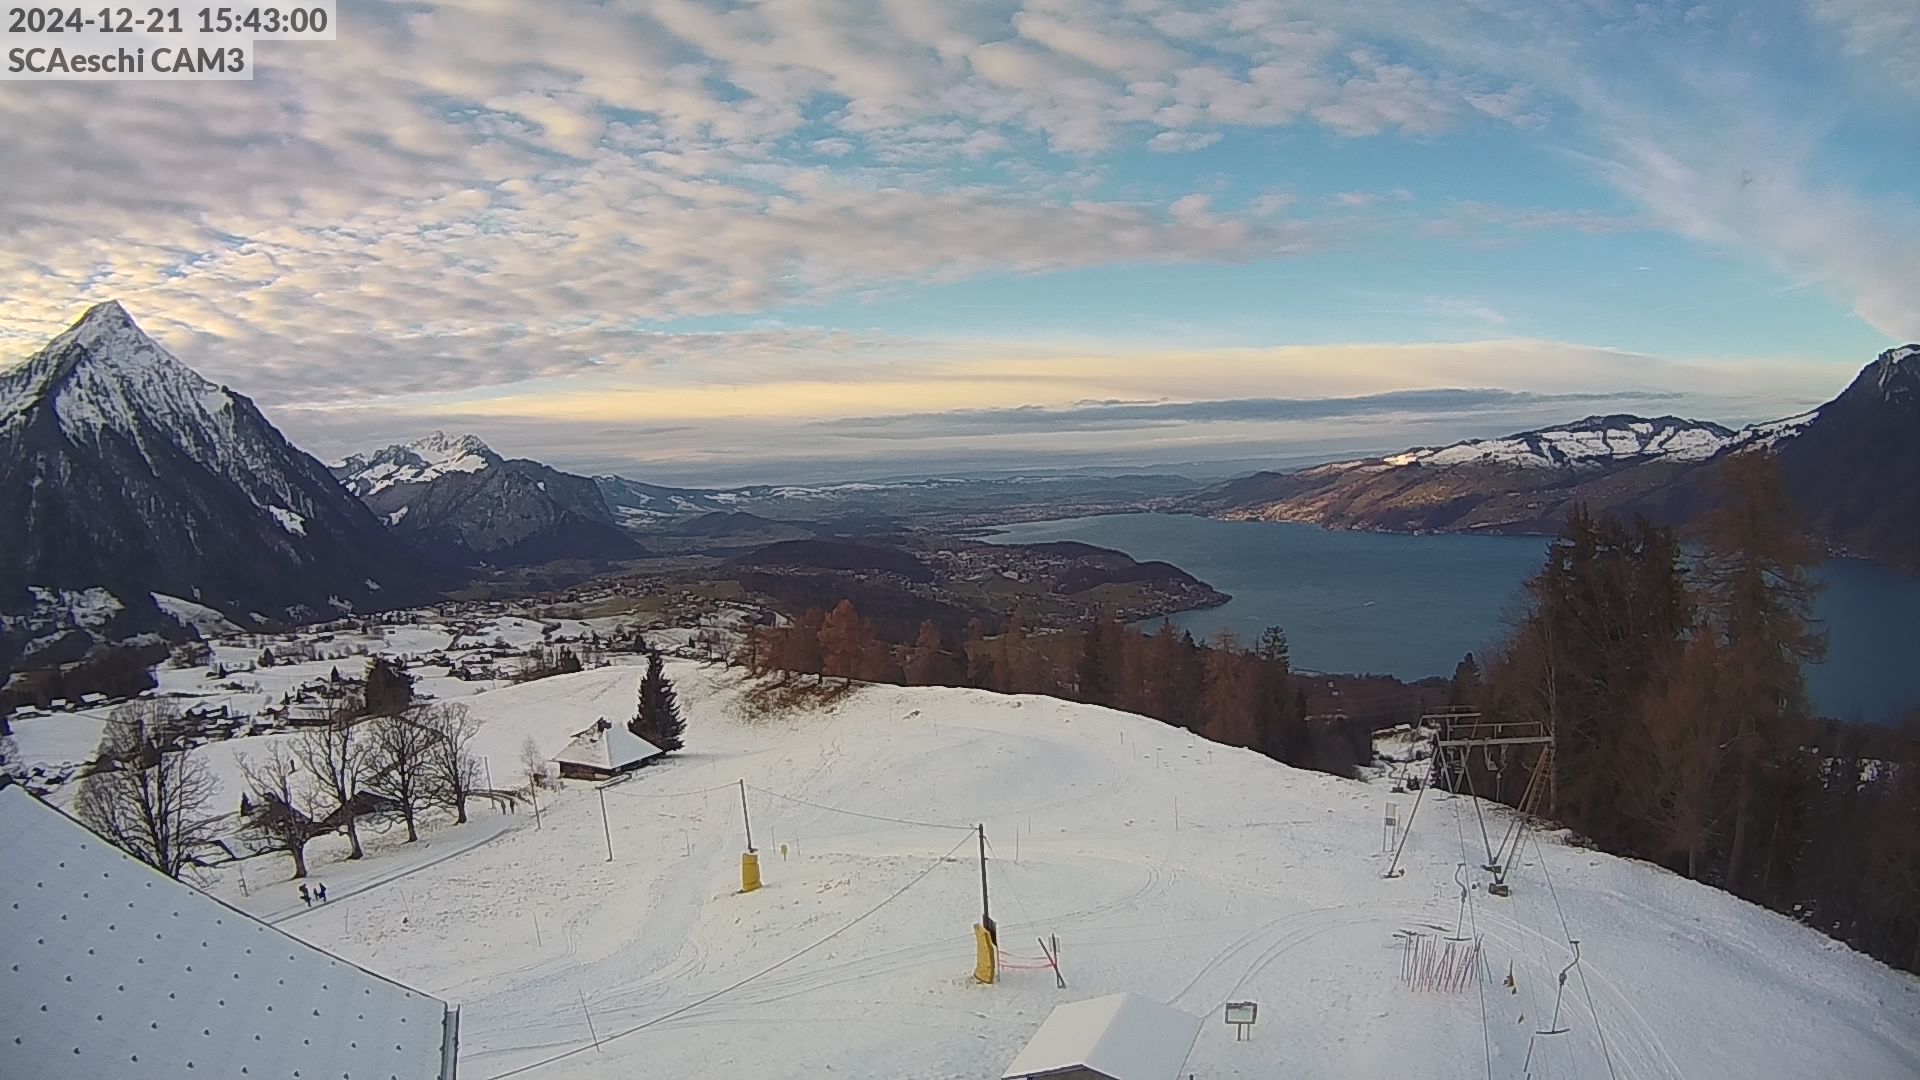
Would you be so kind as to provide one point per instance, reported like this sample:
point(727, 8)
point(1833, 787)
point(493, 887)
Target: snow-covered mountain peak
point(420, 461)
point(104, 373)
point(438, 445)
point(1590, 441)
point(1897, 373)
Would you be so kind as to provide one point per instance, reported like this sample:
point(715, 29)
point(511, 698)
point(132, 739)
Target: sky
point(705, 242)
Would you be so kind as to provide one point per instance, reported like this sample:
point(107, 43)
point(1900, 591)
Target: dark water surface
point(1412, 605)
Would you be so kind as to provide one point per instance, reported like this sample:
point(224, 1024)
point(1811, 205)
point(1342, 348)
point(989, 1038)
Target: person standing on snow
point(321, 891)
point(305, 896)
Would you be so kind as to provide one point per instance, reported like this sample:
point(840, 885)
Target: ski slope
point(1191, 873)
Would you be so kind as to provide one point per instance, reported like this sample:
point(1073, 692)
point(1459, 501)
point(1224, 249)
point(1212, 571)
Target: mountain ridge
point(1850, 466)
point(456, 498)
point(125, 474)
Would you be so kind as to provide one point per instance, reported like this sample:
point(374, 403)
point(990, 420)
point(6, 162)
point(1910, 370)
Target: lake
point(1411, 606)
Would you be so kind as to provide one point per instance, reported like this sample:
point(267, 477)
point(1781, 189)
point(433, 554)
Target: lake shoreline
point(1410, 605)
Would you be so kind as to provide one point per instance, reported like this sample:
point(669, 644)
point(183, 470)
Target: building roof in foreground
point(611, 747)
point(1121, 1036)
point(109, 968)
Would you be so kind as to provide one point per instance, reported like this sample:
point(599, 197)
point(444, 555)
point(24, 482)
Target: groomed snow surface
point(1189, 873)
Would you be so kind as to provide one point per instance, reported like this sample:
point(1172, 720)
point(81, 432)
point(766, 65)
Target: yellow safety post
point(986, 964)
point(749, 871)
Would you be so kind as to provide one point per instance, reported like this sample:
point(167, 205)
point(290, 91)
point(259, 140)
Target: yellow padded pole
point(986, 965)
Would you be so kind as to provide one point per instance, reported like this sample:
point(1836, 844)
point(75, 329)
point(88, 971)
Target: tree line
point(1672, 680)
point(1223, 690)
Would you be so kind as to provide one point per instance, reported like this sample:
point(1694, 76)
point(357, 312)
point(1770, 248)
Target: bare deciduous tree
point(398, 768)
point(150, 802)
point(453, 773)
point(337, 758)
point(534, 762)
point(281, 811)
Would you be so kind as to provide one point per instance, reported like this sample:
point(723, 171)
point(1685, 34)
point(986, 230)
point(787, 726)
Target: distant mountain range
point(139, 501)
point(1852, 466)
point(458, 500)
point(136, 496)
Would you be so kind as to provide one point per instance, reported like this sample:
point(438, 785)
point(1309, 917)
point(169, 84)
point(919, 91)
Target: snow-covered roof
point(110, 968)
point(1121, 1036)
point(607, 746)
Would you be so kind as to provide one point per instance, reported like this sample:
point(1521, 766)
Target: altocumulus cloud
point(458, 198)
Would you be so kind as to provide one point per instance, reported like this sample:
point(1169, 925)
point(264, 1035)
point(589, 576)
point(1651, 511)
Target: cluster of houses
point(61, 705)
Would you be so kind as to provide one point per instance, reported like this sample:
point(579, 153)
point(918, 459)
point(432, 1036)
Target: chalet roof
point(125, 972)
point(608, 746)
point(1120, 1036)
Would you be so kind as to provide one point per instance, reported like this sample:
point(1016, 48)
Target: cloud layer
point(491, 210)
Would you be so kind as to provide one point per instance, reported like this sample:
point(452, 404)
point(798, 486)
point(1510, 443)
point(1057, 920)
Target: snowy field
point(72, 736)
point(1191, 873)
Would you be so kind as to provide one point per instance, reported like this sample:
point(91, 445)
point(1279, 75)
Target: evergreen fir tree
point(1465, 687)
point(658, 718)
point(389, 689)
point(1095, 674)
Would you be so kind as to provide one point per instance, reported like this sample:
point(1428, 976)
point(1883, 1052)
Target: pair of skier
point(317, 893)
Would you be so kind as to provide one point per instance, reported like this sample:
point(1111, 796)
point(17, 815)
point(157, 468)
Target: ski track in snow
point(1269, 889)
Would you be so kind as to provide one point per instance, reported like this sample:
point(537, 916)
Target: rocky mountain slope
point(1852, 465)
point(457, 499)
point(639, 504)
point(125, 476)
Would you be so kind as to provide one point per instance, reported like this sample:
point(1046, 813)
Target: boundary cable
point(618, 790)
point(730, 988)
point(857, 813)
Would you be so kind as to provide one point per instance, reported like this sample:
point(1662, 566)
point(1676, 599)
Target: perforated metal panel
point(110, 969)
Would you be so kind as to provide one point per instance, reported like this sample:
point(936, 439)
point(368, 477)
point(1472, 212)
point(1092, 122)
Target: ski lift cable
point(731, 987)
point(1486, 1030)
point(1467, 769)
point(1599, 1027)
point(861, 814)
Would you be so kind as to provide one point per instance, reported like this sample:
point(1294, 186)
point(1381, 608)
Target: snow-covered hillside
point(1192, 873)
point(1596, 440)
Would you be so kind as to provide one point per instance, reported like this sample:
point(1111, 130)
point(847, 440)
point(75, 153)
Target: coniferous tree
point(1187, 681)
point(1760, 596)
point(1608, 618)
point(1094, 676)
point(658, 719)
point(389, 690)
point(1278, 721)
point(1231, 706)
point(1464, 687)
